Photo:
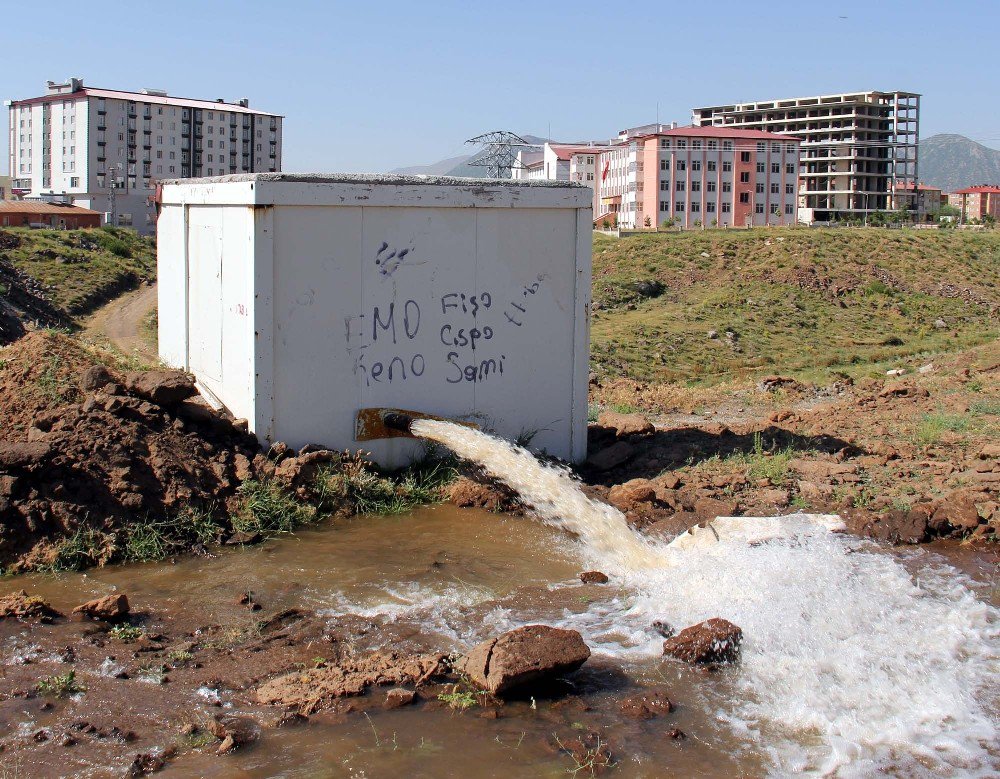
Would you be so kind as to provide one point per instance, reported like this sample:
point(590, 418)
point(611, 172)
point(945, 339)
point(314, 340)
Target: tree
point(647, 222)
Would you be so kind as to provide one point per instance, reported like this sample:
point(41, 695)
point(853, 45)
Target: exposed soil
point(120, 322)
point(89, 449)
point(904, 459)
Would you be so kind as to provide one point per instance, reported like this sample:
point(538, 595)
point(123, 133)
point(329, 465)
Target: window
point(727, 186)
point(758, 208)
point(695, 206)
point(664, 164)
point(713, 145)
point(744, 197)
point(744, 156)
point(74, 181)
point(159, 169)
point(711, 166)
point(761, 147)
point(680, 186)
point(745, 177)
point(681, 165)
point(695, 164)
point(590, 177)
point(210, 143)
point(759, 188)
point(775, 189)
point(696, 144)
point(173, 155)
point(222, 145)
point(681, 144)
point(679, 205)
point(789, 208)
point(159, 154)
point(727, 145)
point(760, 167)
point(590, 160)
point(664, 143)
point(776, 148)
point(664, 205)
point(789, 189)
point(727, 166)
point(664, 186)
point(790, 169)
point(775, 167)
point(710, 186)
point(726, 208)
point(171, 168)
point(696, 186)
point(710, 206)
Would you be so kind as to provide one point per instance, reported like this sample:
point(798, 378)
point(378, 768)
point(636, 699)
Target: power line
point(499, 155)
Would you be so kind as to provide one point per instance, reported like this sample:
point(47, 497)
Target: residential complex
point(854, 146)
point(925, 201)
point(700, 176)
point(105, 149)
point(976, 202)
point(561, 162)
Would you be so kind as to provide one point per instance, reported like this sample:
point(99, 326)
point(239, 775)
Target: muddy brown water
point(440, 578)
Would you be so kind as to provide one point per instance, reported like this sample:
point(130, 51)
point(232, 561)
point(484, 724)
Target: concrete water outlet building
point(299, 300)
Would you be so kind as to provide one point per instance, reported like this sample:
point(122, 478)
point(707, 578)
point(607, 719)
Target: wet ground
point(442, 579)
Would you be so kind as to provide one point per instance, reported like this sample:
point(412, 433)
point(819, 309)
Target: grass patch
point(761, 463)
point(269, 509)
point(127, 634)
point(460, 700)
point(360, 485)
point(61, 686)
point(86, 548)
point(932, 427)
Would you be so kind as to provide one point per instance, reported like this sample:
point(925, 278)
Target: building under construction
point(858, 149)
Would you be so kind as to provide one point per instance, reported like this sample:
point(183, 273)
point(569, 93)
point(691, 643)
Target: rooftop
point(720, 132)
point(42, 207)
point(978, 190)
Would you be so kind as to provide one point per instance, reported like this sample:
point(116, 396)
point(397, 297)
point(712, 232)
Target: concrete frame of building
point(105, 149)
point(855, 146)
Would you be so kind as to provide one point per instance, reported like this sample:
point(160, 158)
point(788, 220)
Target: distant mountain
point(954, 162)
point(458, 166)
point(439, 168)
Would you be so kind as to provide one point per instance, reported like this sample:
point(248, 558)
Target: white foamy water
point(850, 667)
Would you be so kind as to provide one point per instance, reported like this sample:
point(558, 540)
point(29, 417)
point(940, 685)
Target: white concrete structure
point(82, 145)
point(298, 300)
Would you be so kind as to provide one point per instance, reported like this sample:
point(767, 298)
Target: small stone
point(398, 697)
point(646, 705)
point(593, 577)
point(109, 608)
point(712, 641)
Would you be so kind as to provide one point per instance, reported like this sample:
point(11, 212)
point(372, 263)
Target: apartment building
point(560, 162)
point(976, 202)
point(105, 149)
point(925, 201)
point(6, 191)
point(854, 147)
point(699, 176)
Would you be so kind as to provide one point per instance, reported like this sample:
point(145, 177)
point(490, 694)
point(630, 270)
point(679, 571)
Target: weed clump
point(60, 686)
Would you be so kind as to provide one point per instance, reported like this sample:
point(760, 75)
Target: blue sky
point(372, 86)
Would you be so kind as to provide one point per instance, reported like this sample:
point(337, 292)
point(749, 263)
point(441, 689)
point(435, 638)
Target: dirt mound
point(97, 459)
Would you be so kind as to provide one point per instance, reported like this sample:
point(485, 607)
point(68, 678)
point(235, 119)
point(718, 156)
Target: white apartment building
point(560, 162)
point(105, 149)
point(859, 149)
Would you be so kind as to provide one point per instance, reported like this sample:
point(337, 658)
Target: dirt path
point(120, 322)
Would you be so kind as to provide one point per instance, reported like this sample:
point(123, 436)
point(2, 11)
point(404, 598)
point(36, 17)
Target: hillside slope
point(954, 161)
point(701, 307)
point(52, 278)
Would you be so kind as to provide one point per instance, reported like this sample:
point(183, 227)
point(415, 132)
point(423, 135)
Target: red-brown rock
point(161, 387)
point(593, 577)
point(646, 705)
point(20, 605)
point(109, 608)
point(627, 496)
point(527, 654)
point(626, 425)
point(713, 641)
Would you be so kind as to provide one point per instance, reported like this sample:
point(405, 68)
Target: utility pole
point(499, 155)
point(112, 186)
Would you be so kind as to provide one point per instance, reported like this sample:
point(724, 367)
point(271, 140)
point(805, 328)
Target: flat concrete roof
point(375, 178)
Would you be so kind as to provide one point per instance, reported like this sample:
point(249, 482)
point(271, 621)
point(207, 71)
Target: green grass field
point(81, 269)
point(811, 302)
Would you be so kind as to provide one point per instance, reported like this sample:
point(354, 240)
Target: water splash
point(550, 490)
point(850, 666)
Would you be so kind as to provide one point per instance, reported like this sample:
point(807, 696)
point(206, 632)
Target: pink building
point(698, 176)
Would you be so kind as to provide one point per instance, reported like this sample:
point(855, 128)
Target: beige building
point(105, 149)
point(855, 147)
point(6, 193)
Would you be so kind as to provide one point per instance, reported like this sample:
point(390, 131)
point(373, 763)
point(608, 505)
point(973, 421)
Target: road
point(120, 322)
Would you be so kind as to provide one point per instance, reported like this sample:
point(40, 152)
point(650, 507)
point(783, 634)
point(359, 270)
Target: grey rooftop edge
point(376, 178)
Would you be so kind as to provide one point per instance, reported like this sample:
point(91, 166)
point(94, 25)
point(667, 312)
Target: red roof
point(911, 186)
point(564, 152)
point(723, 132)
point(42, 207)
point(982, 189)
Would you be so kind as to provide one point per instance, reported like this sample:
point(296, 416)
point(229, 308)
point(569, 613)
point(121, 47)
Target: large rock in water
point(109, 608)
point(524, 655)
point(712, 641)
